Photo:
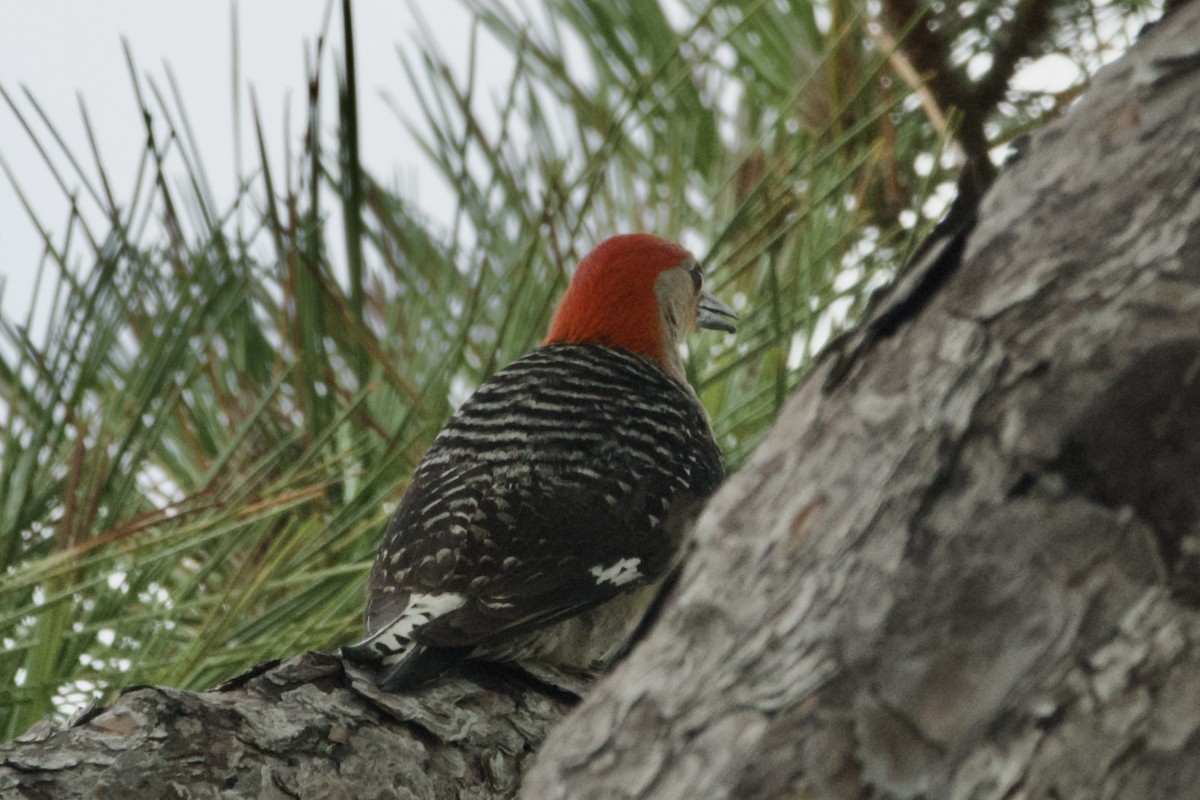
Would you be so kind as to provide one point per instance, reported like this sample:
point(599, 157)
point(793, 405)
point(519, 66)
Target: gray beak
point(714, 315)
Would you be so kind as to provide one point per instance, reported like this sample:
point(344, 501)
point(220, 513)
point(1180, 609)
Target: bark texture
point(965, 564)
point(310, 727)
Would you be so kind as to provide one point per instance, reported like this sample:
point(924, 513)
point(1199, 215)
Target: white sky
point(66, 49)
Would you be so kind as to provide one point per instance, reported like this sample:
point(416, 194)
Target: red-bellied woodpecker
point(540, 524)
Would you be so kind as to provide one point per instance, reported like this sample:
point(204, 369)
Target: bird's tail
point(420, 665)
point(400, 670)
point(381, 647)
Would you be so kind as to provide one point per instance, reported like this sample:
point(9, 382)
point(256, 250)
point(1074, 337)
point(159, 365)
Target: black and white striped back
point(546, 494)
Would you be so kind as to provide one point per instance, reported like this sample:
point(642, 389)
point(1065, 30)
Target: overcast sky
point(66, 49)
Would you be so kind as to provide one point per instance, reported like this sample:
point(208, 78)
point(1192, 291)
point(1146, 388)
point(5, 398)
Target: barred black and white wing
point(548, 494)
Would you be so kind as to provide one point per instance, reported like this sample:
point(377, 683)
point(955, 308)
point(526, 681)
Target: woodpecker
point(545, 516)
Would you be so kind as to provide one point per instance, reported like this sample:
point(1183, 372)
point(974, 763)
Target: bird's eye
point(697, 278)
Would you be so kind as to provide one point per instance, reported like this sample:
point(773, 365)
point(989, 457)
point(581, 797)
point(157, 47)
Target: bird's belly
point(589, 640)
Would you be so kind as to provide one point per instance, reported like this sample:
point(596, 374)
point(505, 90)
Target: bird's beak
point(711, 313)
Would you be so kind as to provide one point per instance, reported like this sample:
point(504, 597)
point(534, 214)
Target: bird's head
point(640, 293)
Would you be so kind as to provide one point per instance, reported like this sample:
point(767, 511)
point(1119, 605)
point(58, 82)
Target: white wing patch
point(392, 642)
point(619, 573)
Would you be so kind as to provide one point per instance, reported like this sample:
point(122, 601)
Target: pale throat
point(677, 312)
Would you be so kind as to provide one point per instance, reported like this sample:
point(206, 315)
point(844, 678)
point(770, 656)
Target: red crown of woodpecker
point(611, 299)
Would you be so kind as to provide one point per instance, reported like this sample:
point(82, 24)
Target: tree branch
point(309, 727)
point(1022, 38)
point(929, 53)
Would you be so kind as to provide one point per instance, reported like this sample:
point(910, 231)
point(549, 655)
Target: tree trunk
point(964, 564)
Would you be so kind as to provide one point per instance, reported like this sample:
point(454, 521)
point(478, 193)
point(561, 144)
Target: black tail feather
point(421, 665)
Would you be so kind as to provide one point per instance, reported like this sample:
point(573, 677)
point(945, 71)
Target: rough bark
point(964, 564)
point(310, 727)
point(965, 567)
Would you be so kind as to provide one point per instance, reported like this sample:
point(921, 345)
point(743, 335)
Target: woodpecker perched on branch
point(545, 515)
